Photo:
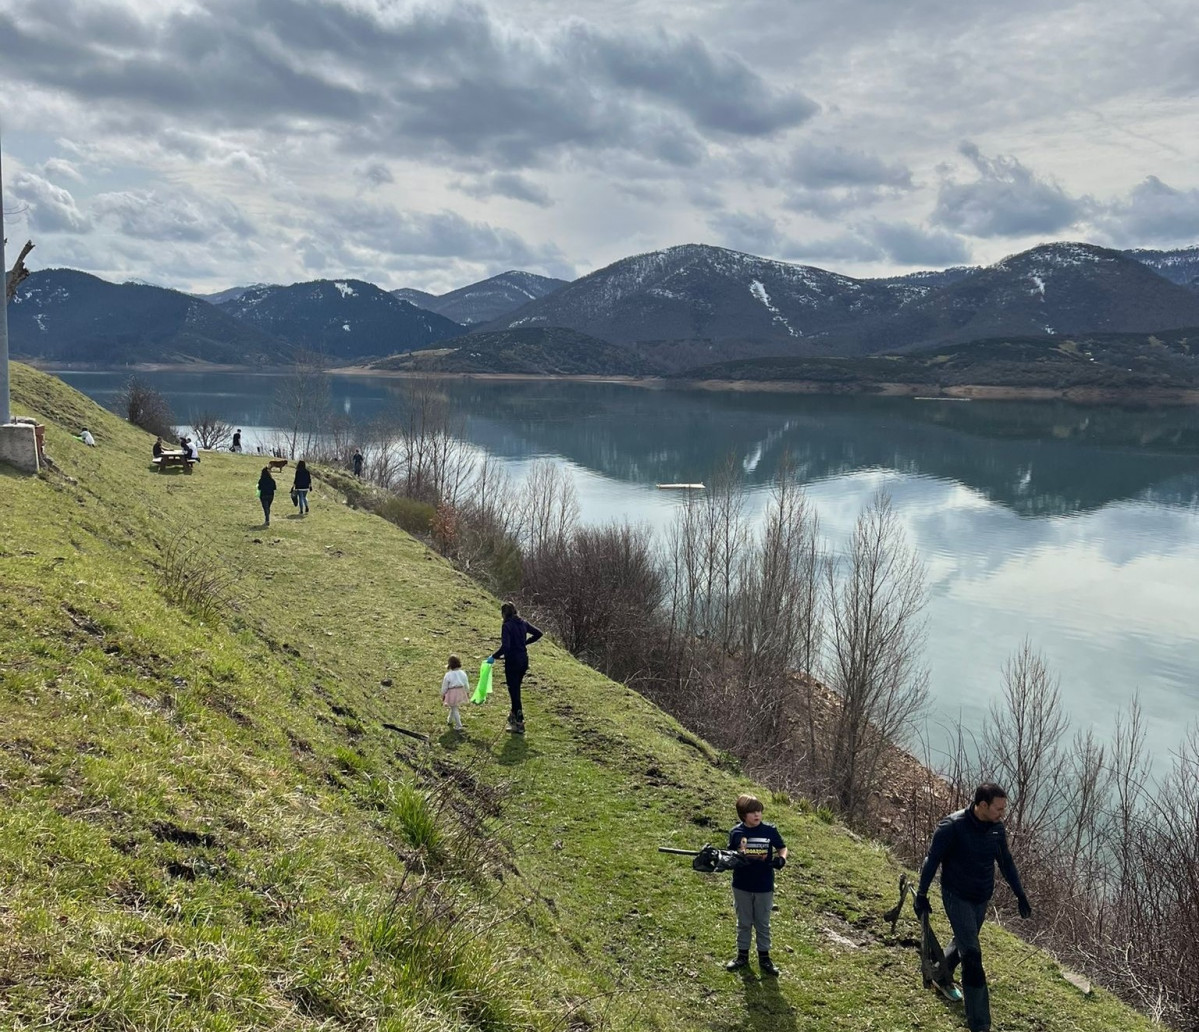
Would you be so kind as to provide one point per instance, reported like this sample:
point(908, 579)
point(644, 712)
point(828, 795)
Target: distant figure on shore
point(266, 494)
point(357, 463)
point(158, 448)
point(302, 485)
point(86, 437)
point(516, 635)
point(455, 690)
point(236, 445)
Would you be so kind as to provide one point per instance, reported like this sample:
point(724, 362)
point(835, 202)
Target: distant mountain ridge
point(341, 319)
point(733, 306)
point(487, 300)
point(63, 315)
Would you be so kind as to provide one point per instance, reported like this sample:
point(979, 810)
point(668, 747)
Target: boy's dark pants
point(753, 913)
point(514, 674)
point(966, 919)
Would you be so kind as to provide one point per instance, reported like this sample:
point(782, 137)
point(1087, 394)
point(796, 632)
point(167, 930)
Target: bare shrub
point(875, 597)
point(211, 431)
point(147, 408)
point(600, 589)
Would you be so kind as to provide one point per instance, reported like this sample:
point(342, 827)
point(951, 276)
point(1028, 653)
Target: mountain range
point(486, 300)
point(666, 312)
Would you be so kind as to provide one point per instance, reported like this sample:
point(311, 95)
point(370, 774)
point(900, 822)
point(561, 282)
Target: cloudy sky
point(203, 144)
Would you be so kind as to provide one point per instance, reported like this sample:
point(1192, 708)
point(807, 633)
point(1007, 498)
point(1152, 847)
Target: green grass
point(205, 824)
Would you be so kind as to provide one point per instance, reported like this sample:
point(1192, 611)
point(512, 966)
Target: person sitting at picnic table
point(158, 448)
point(191, 450)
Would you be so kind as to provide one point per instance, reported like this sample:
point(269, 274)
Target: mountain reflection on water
point(1074, 526)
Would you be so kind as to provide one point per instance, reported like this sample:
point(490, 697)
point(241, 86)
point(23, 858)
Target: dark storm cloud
point(1153, 213)
point(1006, 199)
point(506, 184)
point(449, 78)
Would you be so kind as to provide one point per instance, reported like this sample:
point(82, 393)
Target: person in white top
point(455, 690)
point(85, 435)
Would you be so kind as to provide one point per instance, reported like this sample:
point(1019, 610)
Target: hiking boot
point(766, 965)
point(738, 962)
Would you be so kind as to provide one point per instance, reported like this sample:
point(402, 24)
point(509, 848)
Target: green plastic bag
point(483, 688)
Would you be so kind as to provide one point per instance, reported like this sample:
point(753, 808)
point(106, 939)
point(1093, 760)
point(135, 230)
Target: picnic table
point(173, 459)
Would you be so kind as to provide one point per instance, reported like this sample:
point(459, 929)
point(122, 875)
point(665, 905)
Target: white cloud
point(50, 208)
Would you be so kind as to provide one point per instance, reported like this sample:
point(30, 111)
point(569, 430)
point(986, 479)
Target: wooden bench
point(178, 460)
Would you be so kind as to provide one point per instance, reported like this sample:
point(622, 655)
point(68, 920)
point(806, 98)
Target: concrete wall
point(18, 446)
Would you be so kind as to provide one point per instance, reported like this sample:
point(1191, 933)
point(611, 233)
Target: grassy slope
point(203, 822)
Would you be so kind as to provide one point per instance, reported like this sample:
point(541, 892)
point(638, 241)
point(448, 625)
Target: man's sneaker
point(951, 992)
point(766, 965)
point(738, 962)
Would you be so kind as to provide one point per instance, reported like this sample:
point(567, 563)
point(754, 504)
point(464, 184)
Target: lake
point(1076, 527)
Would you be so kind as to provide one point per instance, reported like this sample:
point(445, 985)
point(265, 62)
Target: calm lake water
point(1076, 527)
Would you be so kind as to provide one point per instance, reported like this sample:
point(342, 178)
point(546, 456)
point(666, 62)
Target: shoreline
point(1080, 395)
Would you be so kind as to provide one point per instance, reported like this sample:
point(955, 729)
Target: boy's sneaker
point(766, 965)
point(738, 962)
point(950, 991)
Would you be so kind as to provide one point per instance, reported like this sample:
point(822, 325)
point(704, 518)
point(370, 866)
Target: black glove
point(921, 905)
point(778, 861)
point(1025, 909)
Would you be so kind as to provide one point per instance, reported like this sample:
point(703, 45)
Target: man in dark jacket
point(966, 846)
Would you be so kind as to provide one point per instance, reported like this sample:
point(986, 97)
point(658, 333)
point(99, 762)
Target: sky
point(205, 144)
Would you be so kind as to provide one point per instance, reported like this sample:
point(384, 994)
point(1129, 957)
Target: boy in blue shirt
point(763, 852)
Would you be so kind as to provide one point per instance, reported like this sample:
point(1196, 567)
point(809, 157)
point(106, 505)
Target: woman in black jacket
point(266, 493)
point(516, 635)
point(301, 486)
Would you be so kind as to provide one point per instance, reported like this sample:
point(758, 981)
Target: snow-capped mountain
point(63, 315)
point(742, 306)
point(1179, 266)
point(342, 319)
point(486, 300)
point(1050, 290)
point(699, 292)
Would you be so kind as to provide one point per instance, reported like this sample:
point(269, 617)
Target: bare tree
point(211, 431)
point(145, 407)
point(434, 460)
point(875, 598)
point(301, 405)
point(1021, 746)
point(549, 509)
point(17, 274)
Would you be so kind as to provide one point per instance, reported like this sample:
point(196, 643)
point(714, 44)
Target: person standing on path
point(302, 485)
point(966, 846)
point(357, 460)
point(235, 447)
point(266, 494)
point(516, 635)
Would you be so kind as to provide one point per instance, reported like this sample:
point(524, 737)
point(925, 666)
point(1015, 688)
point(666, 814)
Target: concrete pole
point(5, 411)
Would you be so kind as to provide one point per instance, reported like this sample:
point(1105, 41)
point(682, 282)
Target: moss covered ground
point(206, 823)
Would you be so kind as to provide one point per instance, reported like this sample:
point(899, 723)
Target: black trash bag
point(711, 860)
point(295, 497)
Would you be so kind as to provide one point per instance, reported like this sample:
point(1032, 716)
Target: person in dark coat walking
point(302, 485)
point(516, 635)
point(357, 460)
point(266, 494)
point(966, 846)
